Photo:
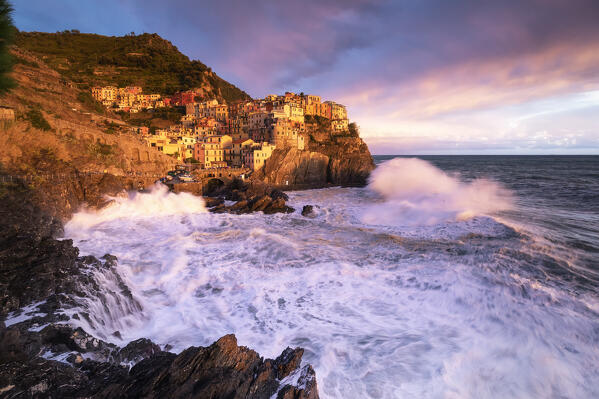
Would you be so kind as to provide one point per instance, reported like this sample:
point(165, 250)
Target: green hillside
point(145, 60)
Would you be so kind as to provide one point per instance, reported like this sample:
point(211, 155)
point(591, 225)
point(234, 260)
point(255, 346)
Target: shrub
point(37, 120)
point(23, 61)
point(90, 102)
point(101, 150)
point(354, 130)
point(6, 39)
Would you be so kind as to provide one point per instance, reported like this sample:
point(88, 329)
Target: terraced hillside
point(145, 60)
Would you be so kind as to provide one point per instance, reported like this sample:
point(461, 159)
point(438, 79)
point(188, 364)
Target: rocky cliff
point(70, 152)
point(329, 158)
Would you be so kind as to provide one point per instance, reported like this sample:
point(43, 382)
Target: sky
point(417, 76)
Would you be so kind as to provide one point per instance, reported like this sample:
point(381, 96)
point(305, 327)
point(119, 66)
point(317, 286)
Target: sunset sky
point(419, 76)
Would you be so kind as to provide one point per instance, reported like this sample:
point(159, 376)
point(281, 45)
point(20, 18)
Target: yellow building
point(255, 156)
point(187, 145)
point(238, 148)
point(105, 94)
point(340, 124)
point(283, 132)
point(338, 111)
point(166, 145)
point(292, 111)
point(213, 150)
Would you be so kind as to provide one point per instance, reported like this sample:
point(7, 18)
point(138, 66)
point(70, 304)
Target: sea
point(445, 277)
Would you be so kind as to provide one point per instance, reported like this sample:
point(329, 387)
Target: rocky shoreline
point(43, 355)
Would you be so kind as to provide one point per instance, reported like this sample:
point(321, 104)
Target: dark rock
point(276, 194)
point(222, 370)
point(239, 206)
point(237, 195)
point(278, 206)
point(136, 351)
point(258, 204)
point(214, 188)
point(219, 209)
point(307, 210)
point(288, 361)
point(211, 202)
point(306, 386)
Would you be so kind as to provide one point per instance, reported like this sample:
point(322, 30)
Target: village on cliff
point(238, 135)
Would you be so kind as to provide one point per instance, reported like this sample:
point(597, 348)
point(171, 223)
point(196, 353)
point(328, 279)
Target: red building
point(183, 98)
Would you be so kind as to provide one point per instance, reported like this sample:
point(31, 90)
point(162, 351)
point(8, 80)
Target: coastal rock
point(211, 202)
point(222, 370)
point(328, 159)
point(252, 196)
point(137, 350)
point(308, 210)
point(258, 203)
point(276, 194)
point(294, 168)
point(350, 162)
point(33, 265)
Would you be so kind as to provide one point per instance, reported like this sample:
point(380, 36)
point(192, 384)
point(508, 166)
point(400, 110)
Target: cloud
point(402, 66)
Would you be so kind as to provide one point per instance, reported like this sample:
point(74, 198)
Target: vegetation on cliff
point(146, 60)
point(6, 38)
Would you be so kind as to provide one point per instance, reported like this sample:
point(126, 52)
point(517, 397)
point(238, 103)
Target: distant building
point(238, 148)
point(7, 114)
point(283, 132)
point(212, 150)
point(255, 156)
point(338, 111)
point(340, 125)
point(183, 98)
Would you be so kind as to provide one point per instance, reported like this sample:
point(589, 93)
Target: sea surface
point(446, 277)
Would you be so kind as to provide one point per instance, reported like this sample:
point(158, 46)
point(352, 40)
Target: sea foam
point(447, 309)
point(416, 192)
point(157, 201)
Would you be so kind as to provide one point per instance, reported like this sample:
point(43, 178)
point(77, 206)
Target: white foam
point(383, 311)
point(25, 313)
point(141, 205)
point(416, 193)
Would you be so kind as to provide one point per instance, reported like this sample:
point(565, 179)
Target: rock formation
point(328, 159)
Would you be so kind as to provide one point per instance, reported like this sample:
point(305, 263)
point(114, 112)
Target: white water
point(418, 193)
point(391, 296)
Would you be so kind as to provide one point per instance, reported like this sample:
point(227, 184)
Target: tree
point(354, 130)
point(6, 38)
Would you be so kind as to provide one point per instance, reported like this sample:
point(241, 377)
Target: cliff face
point(293, 167)
point(329, 158)
point(70, 153)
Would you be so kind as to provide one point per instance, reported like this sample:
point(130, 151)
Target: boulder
point(137, 350)
point(211, 202)
point(308, 210)
point(258, 204)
